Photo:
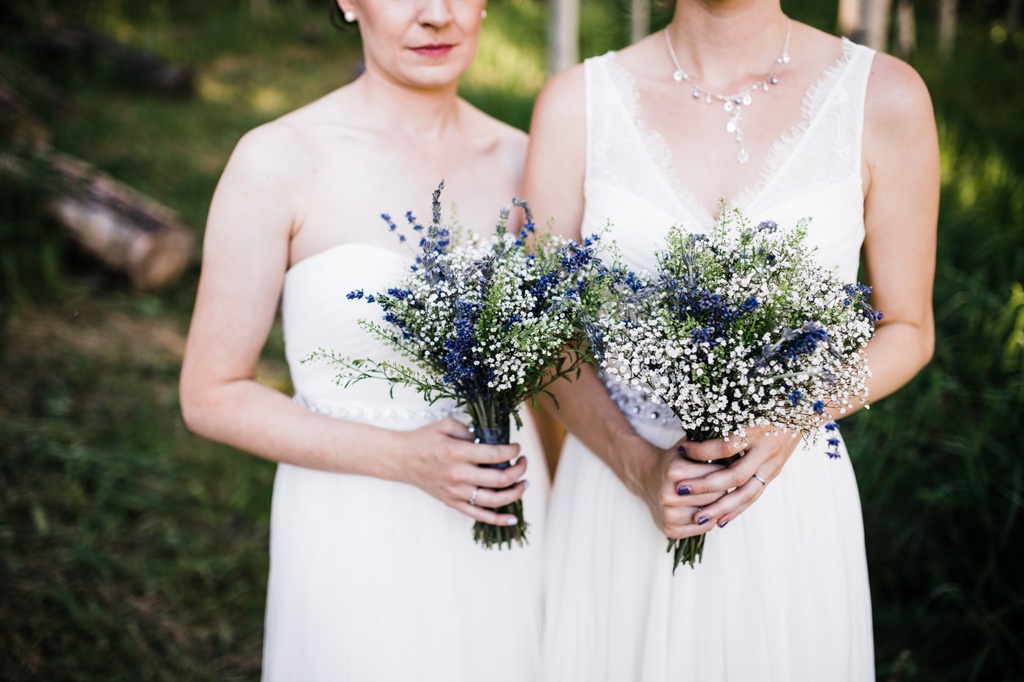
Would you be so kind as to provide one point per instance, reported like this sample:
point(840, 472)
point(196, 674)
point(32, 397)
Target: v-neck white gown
point(372, 580)
point(782, 593)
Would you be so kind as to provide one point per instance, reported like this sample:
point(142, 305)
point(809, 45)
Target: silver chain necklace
point(733, 104)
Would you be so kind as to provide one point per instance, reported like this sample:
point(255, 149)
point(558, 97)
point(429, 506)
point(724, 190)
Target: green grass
point(130, 549)
point(941, 480)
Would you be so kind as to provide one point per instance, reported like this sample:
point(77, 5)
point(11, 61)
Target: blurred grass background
point(132, 550)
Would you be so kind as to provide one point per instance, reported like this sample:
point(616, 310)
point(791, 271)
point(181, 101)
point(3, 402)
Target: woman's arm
point(555, 168)
point(245, 257)
point(901, 204)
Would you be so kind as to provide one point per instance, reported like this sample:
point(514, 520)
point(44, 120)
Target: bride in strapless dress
point(640, 139)
point(374, 574)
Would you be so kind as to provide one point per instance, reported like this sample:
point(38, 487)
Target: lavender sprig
point(486, 323)
point(742, 327)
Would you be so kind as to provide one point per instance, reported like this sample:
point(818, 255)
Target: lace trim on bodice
point(833, 136)
point(822, 148)
point(376, 415)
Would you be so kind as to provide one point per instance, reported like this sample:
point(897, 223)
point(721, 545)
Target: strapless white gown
point(782, 593)
point(374, 580)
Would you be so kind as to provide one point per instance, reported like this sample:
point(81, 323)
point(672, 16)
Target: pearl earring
point(350, 16)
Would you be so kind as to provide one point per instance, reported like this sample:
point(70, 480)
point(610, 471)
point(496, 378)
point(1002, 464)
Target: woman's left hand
point(743, 480)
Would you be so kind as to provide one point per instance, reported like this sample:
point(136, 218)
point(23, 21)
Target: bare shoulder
point(496, 138)
point(485, 124)
point(278, 155)
point(563, 95)
point(510, 138)
point(559, 113)
point(270, 154)
point(897, 97)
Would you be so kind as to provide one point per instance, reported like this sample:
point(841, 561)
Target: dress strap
point(861, 59)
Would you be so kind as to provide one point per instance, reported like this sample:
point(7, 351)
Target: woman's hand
point(740, 483)
point(662, 482)
point(443, 462)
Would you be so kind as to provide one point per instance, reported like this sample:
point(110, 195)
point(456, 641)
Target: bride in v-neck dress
point(782, 593)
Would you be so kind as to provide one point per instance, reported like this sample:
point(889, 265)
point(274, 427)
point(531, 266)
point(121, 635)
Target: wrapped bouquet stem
point(486, 322)
point(492, 426)
point(741, 327)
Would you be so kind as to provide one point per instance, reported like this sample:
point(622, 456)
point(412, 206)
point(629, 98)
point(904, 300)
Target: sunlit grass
point(131, 550)
point(967, 173)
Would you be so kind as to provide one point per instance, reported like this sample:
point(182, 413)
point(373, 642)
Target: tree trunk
point(851, 20)
point(259, 8)
point(124, 229)
point(640, 18)
point(906, 29)
point(876, 23)
point(947, 26)
point(563, 34)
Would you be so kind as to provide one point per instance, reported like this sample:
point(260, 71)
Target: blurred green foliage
point(131, 550)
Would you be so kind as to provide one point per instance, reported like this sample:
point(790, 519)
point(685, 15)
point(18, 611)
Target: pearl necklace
point(733, 104)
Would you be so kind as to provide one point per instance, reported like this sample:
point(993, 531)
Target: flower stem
point(491, 425)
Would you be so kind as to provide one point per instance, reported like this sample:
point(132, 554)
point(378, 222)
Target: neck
point(727, 43)
point(427, 113)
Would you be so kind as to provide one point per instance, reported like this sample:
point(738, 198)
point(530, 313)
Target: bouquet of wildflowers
point(741, 327)
point(488, 323)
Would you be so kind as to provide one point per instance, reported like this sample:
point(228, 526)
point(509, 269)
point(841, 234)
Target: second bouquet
point(742, 327)
point(486, 322)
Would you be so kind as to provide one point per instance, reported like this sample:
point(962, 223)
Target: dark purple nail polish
point(701, 520)
point(681, 450)
point(683, 490)
point(723, 524)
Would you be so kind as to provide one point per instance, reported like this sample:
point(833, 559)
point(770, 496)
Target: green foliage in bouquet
point(738, 328)
point(486, 323)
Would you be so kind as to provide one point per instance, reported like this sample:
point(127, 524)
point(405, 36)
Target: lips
point(433, 50)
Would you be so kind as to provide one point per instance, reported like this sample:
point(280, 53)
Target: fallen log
point(121, 227)
point(62, 45)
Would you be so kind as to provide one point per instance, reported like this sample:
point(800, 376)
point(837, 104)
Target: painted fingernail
point(723, 524)
point(511, 522)
point(701, 520)
point(683, 490)
point(526, 484)
point(681, 450)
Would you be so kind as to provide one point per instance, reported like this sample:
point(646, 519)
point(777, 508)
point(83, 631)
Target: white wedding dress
point(782, 593)
point(372, 580)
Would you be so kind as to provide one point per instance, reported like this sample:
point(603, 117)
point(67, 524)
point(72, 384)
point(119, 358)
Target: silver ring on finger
point(472, 498)
point(761, 480)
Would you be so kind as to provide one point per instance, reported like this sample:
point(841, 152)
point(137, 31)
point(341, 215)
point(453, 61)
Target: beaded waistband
point(636, 406)
point(374, 415)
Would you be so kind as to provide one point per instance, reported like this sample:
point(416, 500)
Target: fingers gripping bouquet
point(741, 327)
point(488, 323)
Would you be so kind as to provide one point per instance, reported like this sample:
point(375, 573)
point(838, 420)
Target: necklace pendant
point(774, 80)
point(742, 157)
point(708, 99)
point(746, 100)
point(730, 127)
point(678, 76)
point(728, 105)
point(764, 86)
point(696, 93)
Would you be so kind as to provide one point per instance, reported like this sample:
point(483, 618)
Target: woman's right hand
point(656, 480)
point(444, 462)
